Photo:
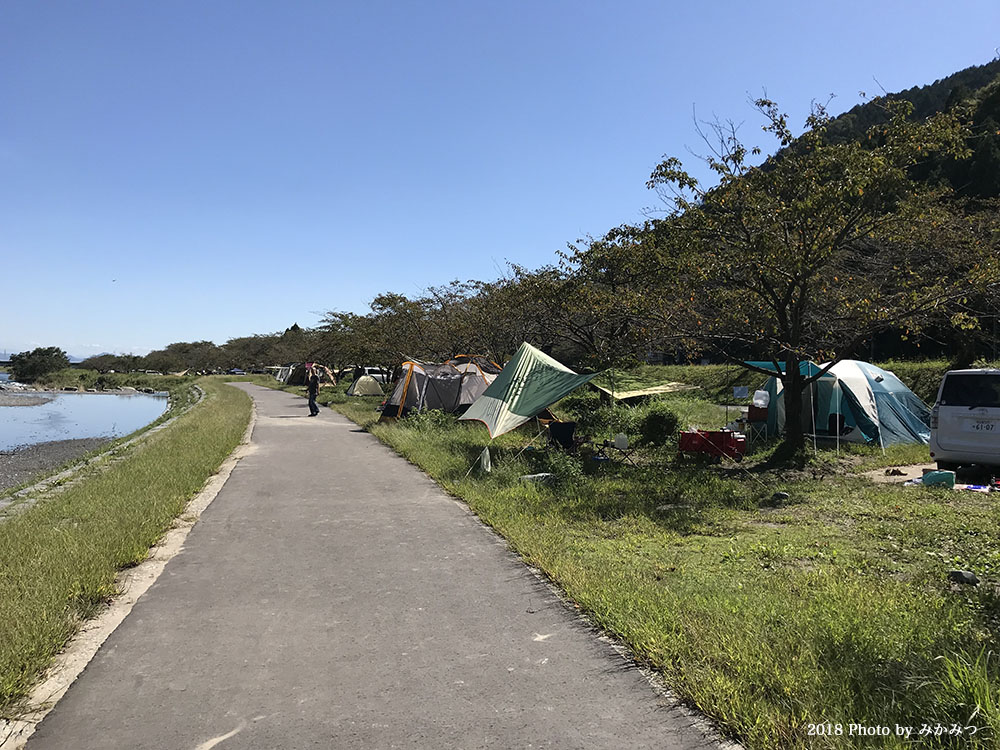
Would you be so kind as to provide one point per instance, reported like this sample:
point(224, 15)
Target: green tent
point(529, 383)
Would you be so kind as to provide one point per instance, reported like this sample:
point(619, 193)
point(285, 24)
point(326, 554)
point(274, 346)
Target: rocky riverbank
point(20, 466)
point(21, 398)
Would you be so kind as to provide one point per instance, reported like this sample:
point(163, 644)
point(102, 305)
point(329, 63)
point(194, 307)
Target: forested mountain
point(976, 88)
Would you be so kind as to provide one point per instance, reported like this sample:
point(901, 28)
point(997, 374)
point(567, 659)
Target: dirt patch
point(898, 474)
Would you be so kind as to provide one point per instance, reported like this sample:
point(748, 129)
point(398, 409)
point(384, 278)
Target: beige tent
point(366, 385)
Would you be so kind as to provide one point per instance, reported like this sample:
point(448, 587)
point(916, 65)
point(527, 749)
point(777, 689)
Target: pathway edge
point(132, 584)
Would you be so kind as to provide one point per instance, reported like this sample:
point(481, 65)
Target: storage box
point(715, 443)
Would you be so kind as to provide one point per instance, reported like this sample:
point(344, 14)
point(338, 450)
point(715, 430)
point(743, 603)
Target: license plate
point(983, 426)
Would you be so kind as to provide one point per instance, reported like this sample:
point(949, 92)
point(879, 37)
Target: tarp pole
point(812, 414)
point(840, 402)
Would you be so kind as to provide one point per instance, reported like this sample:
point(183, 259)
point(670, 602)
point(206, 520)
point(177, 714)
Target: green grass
point(59, 558)
point(832, 605)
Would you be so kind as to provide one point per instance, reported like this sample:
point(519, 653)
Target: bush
point(581, 401)
point(611, 419)
point(656, 424)
point(563, 467)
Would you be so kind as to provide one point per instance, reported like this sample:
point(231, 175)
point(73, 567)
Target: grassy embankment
point(768, 615)
point(59, 558)
point(81, 379)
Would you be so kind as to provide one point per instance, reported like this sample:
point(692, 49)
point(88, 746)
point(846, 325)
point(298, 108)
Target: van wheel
point(947, 466)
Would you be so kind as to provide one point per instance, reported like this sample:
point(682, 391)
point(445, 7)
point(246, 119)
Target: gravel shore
point(20, 398)
point(20, 466)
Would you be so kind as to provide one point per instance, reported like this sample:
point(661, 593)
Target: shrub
point(656, 424)
point(579, 402)
point(609, 419)
point(563, 467)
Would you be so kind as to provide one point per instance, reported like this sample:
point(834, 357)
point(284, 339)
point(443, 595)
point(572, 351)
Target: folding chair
point(562, 435)
point(619, 444)
point(756, 425)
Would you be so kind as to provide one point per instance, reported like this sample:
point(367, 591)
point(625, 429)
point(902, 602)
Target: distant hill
point(978, 88)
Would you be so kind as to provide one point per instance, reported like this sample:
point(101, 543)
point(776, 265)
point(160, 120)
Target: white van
point(965, 421)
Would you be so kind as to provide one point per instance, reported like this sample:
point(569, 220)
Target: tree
point(250, 352)
point(809, 254)
point(27, 367)
point(185, 355)
point(116, 362)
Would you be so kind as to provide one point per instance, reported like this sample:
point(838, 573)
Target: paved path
point(332, 596)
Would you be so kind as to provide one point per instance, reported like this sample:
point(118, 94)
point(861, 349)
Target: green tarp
point(529, 383)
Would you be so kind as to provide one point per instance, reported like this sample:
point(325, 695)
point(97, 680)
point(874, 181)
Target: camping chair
point(562, 435)
point(756, 424)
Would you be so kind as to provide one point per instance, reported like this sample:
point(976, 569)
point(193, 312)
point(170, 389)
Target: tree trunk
point(793, 386)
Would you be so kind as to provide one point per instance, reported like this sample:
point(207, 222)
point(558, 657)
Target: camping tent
point(861, 402)
point(450, 386)
point(366, 385)
point(297, 375)
point(528, 384)
point(477, 374)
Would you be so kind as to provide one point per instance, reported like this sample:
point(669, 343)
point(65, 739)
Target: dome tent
point(450, 386)
point(855, 401)
point(366, 385)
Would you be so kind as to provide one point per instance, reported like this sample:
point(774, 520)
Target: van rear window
point(971, 390)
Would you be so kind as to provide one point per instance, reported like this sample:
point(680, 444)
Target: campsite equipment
point(451, 386)
point(715, 443)
point(939, 479)
point(366, 385)
point(563, 435)
point(619, 445)
point(528, 384)
point(854, 402)
point(643, 393)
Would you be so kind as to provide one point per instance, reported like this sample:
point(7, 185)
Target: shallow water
point(70, 416)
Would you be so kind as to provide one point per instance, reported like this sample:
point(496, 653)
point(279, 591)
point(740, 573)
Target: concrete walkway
point(332, 596)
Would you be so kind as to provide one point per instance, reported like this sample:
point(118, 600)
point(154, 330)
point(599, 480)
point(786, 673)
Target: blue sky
point(180, 170)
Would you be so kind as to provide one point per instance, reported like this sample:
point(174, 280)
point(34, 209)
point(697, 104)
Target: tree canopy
point(807, 255)
point(27, 367)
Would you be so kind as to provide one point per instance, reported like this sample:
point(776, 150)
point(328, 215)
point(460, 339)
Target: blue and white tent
point(856, 402)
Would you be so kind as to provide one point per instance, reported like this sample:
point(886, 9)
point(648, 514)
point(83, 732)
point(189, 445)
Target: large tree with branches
point(807, 255)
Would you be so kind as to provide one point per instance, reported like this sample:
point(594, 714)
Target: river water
point(70, 416)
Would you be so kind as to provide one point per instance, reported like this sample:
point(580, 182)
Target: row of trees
point(295, 344)
point(806, 256)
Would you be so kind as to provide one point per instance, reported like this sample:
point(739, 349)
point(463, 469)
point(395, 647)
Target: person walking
point(312, 386)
